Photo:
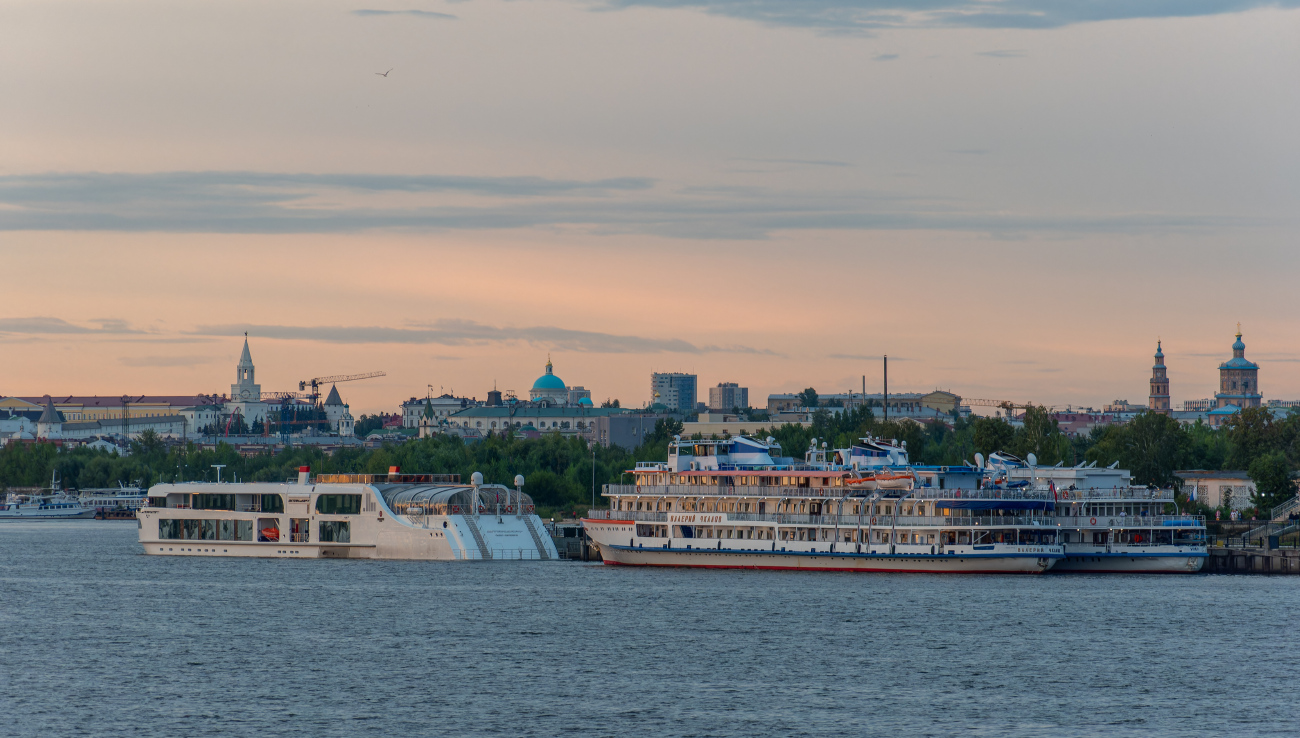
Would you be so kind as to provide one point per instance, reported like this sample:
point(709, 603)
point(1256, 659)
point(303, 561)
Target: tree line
point(558, 470)
point(1153, 446)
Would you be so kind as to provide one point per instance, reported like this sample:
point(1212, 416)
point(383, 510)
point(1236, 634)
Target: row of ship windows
point(325, 504)
point(328, 531)
point(794, 508)
point(1015, 537)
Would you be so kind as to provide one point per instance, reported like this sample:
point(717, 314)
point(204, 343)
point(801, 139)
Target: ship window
point(338, 504)
point(169, 529)
point(213, 502)
point(272, 503)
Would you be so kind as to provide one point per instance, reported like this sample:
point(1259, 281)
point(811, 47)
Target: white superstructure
point(55, 506)
point(1108, 524)
point(737, 503)
point(394, 516)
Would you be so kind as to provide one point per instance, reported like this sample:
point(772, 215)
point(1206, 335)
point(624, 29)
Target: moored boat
point(736, 503)
point(1109, 525)
point(393, 516)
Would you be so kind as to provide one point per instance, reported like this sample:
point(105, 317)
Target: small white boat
point(44, 507)
point(52, 505)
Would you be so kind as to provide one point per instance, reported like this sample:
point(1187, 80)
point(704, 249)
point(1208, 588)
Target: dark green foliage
point(808, 398)
point(367, 424)
point(557, 470)
point(1273, 484)
point(1153, 446)
point(992, 434)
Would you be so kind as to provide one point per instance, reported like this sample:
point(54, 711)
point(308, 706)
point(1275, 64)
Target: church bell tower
point(1159, 399)
point(245, 389)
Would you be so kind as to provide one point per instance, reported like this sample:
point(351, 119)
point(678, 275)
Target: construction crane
point(316, 382)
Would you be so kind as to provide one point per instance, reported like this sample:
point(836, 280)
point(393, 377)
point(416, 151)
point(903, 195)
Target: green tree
point(1153, 446)
point(1251, 434)
point(1273, 484)
point(808, 398)
point(992, 434)
point(1038, 435)
point(149, 442)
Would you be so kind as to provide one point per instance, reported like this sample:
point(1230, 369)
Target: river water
point(98, 639)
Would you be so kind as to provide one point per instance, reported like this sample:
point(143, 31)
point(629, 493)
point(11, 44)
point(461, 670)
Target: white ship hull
point(47, 515)
point(1136, 561)
point(32, 511)
point(376, 531)
point(375, 537)
point(618, 546)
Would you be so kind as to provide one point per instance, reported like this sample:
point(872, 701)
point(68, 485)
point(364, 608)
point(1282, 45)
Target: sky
point(1013, 200)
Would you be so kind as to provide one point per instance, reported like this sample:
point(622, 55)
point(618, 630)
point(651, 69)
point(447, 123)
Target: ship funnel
point(304, 472)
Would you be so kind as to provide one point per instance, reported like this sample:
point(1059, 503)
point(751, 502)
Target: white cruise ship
point(355, 516)
point(1108, 524)
point(736, 503)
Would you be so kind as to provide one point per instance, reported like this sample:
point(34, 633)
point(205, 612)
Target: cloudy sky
point(1013, 199)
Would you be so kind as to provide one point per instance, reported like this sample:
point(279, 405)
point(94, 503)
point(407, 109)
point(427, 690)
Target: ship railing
point(450, 479)
point(1118, 493)
point(843, 521)
point(834, 493)
point(1131, 521)
point(482, 509)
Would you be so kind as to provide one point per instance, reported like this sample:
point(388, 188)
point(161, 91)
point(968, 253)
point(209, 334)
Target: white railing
point(689, 491)
point(1286, 508)
point(1130, 521)
point(842, 521)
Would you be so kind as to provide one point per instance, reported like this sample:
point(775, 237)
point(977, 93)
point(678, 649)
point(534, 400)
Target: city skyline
point(1010, 203)
point(387, 393)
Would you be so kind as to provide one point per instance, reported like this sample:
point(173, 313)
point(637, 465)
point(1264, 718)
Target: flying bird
point(383, 74)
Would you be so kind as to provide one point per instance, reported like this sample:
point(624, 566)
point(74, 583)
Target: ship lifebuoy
point(873, 519)
point(1092, 521)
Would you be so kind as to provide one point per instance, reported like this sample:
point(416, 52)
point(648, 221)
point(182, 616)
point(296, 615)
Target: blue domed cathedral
point(1238, 388)
point(1238, 379)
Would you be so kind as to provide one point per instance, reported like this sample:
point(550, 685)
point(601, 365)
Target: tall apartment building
point(728, 395)
point(674, 390)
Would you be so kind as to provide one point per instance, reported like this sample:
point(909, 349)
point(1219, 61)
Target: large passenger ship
point(1110, 525)
point(355, 516)
point(737, 503)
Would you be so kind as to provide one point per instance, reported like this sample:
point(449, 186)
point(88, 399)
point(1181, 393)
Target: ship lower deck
point(1034, 561)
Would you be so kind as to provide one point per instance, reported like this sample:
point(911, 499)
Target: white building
point(439, 409)
point(50, 425)
point(1218, 488)
point(245, 393)
point(346, 424)
point(334, 407)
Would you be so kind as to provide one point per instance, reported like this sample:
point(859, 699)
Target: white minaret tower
point(245, 389)
point(346, 429)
